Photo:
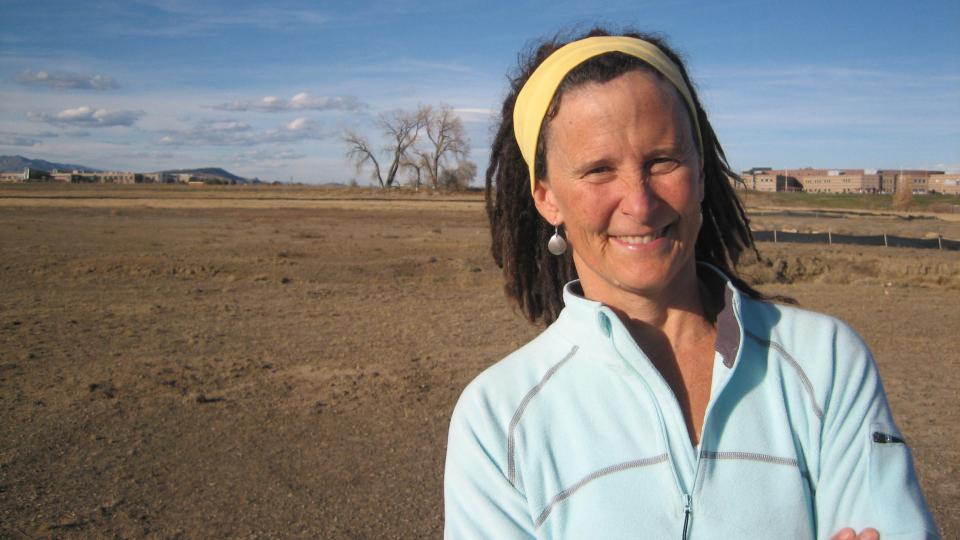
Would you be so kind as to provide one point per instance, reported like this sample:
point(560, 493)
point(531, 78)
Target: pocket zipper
point(879, 437)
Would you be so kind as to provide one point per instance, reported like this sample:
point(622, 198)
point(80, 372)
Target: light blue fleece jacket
point(577, 435)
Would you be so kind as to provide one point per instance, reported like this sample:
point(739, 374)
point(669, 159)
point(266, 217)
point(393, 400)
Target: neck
point(681, 312)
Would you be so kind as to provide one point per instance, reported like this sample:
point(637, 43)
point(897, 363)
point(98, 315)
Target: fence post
point(830, 238)
point(774, 236)
point(939, 242)
point(885, 240)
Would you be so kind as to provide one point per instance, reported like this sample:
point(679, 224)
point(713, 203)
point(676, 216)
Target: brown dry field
point(268, 363)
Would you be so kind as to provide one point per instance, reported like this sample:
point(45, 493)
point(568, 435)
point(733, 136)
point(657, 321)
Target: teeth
point(645, 239)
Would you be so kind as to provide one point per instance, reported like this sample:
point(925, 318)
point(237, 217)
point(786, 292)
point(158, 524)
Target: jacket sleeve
point(866, 473)
point(479, 501)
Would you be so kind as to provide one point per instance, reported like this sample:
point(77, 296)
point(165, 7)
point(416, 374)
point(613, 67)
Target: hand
point(849, 534)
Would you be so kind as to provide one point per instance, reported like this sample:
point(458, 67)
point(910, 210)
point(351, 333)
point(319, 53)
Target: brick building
point(843, 181)
point(946, 183)
point(766, 179)
point(846, 180)
point(119, 177)
point(26, 175)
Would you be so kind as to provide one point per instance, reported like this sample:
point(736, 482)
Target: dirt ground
point(248, 366)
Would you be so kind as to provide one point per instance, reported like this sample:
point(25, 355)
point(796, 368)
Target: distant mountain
point(19, 163)
point(211, 173)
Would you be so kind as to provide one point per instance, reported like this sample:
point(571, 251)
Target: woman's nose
point(638, 199)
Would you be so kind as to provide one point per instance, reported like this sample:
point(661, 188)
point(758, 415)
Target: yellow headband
point(537, 93)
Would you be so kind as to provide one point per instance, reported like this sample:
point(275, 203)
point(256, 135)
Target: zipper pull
point(886, 438)
point(686, 515)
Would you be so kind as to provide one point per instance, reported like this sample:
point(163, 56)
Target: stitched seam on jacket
point(566, 493)
point(511, 431)
point(751, 456)
point(804, 380)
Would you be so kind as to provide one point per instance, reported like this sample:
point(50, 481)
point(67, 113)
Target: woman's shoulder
point(498, 391)
point(790, 324)
point(795, 326)
point(821, 347)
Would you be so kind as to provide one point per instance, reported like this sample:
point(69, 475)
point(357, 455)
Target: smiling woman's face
point(624, 178)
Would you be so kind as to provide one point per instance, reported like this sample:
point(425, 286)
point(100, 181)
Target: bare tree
point(413, 163)
point(458, 178)
point(402, 129)
point(447, 141)
point(446, 146)
point(359, 152)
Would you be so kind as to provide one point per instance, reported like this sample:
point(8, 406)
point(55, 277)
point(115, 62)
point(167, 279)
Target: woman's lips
point(641, 240)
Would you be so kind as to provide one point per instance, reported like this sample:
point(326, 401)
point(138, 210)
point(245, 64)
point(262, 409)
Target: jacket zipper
point(686, 515)
point(687, 499)
point(666, 445)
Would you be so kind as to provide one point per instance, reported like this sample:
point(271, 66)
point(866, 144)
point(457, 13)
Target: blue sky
point(265, 89)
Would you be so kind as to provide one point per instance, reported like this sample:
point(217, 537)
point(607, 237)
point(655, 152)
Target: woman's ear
point(546, 203)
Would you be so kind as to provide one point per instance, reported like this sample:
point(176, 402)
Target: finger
point(845, 534)
point(869, 534)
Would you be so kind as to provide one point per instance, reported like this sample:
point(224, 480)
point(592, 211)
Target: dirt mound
point(847, 265)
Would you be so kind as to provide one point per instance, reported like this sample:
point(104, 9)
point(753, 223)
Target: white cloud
point(148, 155)
point(11, 139)
point(261, 155)
point(476, 114)
point(300, 102)
point(64, 80)
point(233, 133)
point(190, 18)
point(89, 117)
point(228, 125)
point(300, 124)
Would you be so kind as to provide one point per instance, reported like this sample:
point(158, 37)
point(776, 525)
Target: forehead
point(636, 98)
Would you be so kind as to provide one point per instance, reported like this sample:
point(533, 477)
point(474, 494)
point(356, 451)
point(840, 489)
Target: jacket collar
point(591, 320)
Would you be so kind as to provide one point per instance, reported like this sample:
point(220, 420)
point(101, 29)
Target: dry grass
point(178, 363)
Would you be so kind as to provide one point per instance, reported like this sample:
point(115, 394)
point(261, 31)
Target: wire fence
point(885, 240)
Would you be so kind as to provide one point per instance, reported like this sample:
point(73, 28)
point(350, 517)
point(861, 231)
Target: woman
point(667, 398)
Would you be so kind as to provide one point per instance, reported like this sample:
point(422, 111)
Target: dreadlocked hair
point(533, 277)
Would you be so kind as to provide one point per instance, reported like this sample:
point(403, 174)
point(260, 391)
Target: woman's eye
point(663, 165)
point(599, 170)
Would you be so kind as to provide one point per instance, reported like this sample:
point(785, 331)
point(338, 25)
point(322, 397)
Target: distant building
point(67, 177)
point(108, 177)
point(766, 179)
point(947, 184)
point(27, 175)
point(116, 177)
point(72, 177)
point(160, 178)
point(840, 180)
point(890, 180)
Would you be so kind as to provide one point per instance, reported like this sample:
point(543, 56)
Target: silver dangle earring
point(557, 245)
